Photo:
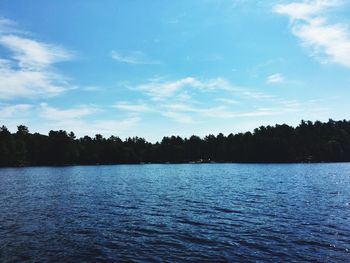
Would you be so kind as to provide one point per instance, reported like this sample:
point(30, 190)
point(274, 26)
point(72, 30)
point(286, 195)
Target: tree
point(308, 142)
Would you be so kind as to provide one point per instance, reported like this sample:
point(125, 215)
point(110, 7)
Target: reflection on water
point(208, 212)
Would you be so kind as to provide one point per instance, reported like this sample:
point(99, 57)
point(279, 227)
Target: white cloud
point(222, 112)
point(256, 95)
point(28, 69)
point(77, 119)
point(32, 54)
point(307, 9)
point(118, 127)
point(159, 90)
point(17, 82)
point(178, 117)
point(10, 111)
point(178, 89)
point(210, 101)
point(275, 78)
point(135, 58)
point(329, 42)
point(182, 100)
point(54, 114)
point(6, 25)
point(228, 101)
point(132, 107)
point(214, 112)
point(92, 88)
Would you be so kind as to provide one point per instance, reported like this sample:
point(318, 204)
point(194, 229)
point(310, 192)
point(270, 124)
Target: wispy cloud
point(223, 112)
point(78, 120)
point(31, 54)
point(228, 101)
point(107, 127)
point(132, 107)
point(158, 89)
point(54, 114)
point(211, 99)
point(11, 111)
point(134, 58)
point(92, 88)
point(6, 25)
point(178, 117)
point(275, 78)
point(306, 10)
point(28, 69)
point(18, 82)
point(309, 21)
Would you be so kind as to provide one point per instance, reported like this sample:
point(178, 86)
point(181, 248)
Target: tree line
point(308, 142)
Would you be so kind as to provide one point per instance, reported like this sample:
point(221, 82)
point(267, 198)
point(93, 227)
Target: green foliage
point(308, 142)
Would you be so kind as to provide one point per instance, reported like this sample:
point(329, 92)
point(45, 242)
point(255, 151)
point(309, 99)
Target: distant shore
point(168, 163)
point(309, 142)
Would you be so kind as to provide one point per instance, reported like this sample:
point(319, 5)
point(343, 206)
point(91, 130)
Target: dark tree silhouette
point(308, 142)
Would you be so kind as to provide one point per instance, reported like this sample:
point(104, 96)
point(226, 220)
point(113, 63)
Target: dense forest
point(308, 142)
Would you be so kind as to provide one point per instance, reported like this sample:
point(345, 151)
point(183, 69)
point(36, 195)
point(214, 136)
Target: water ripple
point(176, 213)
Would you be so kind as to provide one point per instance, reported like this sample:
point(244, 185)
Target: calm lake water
point(190, 212)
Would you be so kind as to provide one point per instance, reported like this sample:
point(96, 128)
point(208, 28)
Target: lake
point(184, 212)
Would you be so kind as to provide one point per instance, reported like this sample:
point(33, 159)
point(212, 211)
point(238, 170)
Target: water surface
point(190, 212)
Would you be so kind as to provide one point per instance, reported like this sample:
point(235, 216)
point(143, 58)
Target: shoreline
point(169, 163)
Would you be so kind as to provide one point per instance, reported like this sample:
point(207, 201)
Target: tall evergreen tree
point(308, 142)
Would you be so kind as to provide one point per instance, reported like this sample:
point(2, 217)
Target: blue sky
point(155, 68)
